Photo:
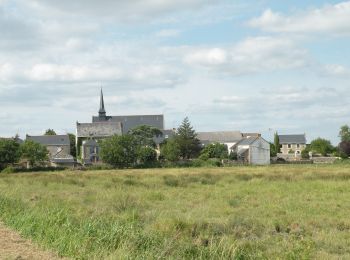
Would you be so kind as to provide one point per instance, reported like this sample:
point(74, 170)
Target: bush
point(215, 150)
point(147, 155)
point(233, 156)
point(8, 169)
point(305, 154)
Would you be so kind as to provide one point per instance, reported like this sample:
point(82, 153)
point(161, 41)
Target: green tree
point(144, 135)
point(321, 146)
point(214, 150)
point(73, 148)
point(119, 151)
point(170, 150)
point(50, 132)
point(146, 155)
point(344, 148)
point(9, 152)
point(344, 133)
point(34, 152)
point(273, 151)
point(187, 140)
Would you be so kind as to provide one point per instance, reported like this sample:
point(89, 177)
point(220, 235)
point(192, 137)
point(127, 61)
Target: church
point(103, 126)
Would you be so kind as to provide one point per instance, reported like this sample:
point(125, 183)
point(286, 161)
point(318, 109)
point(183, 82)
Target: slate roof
point(223, 136)
point(292, 139)
point(50, 139)
point(131, 121)
point(98, 129)
point(247, 141)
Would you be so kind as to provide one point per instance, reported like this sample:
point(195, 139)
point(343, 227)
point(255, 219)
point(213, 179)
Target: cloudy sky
point(256, 66)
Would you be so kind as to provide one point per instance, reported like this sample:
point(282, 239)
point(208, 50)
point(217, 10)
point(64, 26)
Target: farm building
point(252, 150)
point(58, 147)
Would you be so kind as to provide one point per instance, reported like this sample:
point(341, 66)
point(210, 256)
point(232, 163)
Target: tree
point(144, 135)
point(215, 150)
point(119, 151)
point(170, 150)
point(187, 140)
point(344, 148)
point(9, 152)
point(273, 151)
point(50, 132)
point(321, 146)
point(276, 143)
point(344, 133)
point(73, 149)
point(146, 155)
point(34, 152)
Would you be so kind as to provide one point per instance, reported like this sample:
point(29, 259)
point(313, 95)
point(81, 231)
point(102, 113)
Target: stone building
point(58, 147)
point(292, 144)
point(88, 135)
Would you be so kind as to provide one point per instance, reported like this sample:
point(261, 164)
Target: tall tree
point(344, 148)
point(187, 140)
point(170, 150)
point(9, 152)
point(73, 149)
point(119, 151)
point(344, 133)
point(144, 135)
point(34, 152)
point(321, 146)
point(50, 132)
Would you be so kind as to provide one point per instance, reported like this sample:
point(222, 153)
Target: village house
point(292, 144)
point(58, 147)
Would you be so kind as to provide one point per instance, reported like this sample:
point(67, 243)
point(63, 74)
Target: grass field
point(285, 212)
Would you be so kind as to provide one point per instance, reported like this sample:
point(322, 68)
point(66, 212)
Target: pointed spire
point(102, 111)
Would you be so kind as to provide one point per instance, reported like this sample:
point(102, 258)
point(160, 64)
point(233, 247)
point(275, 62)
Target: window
point(298, 145)
point(289, 146)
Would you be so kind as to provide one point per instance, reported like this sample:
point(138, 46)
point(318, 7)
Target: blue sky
point(255, 66)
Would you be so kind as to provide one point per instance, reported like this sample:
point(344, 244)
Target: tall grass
point(286, 212)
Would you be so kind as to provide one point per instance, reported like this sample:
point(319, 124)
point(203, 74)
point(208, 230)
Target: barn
point(253, 150)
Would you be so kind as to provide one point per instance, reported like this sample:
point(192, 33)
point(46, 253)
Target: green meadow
point(273, 212)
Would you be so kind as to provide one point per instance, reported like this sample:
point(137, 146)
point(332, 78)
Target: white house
point(253, 150)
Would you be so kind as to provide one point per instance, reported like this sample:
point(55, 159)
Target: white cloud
point(333, 19)
point(168, 33)
point(119, 10)
point(336, 70)
point(249, 56)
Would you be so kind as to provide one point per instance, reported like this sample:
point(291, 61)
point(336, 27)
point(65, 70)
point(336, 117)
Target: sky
point(254, 66)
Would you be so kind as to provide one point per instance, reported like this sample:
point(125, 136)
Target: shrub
point(9, 169)
point(147, 155)
point(119, 151)
point(305, 154)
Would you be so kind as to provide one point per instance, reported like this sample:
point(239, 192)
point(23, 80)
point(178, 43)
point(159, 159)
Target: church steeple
point(102, 111)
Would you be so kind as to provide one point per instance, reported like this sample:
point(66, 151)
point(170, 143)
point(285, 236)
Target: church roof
point(102, 105)
point(99, 129)
point(132, 121)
